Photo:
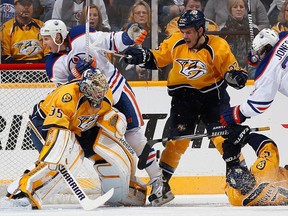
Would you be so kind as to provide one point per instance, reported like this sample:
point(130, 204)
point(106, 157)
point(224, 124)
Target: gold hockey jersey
point(23, 42)
point(280, 27)
point(271, 182)
point(201, 69)
point(66, 107)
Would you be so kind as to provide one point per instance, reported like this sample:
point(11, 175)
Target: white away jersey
point(271, 76)
point(59, 66)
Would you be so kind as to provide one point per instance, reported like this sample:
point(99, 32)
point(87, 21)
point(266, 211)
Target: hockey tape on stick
point(147, 148)
point(84, 200)
point(87, 26)
point(250, 21)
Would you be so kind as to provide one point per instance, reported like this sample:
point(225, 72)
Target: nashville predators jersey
point(280, 27)
point(271, 182)
point(66, 107)
point(201, 69)
point(23, 42)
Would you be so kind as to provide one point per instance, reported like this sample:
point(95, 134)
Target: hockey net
point(21, 87)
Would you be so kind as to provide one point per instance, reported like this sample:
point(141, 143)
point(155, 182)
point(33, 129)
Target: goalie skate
point(161, 192)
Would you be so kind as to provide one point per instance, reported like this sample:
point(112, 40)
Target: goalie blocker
point(115, 166)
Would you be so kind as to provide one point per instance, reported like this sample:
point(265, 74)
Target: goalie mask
point(94, 86)
point(264, 41)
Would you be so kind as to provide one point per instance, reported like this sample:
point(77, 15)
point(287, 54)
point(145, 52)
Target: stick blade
point(89, 205)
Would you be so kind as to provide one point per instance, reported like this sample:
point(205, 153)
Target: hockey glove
point(137, 55)
point(240, 178)
point(134, 34)
point(236, 78)
point(82, 65)
point(232, 115)
point(237, 134)
point(252, 59)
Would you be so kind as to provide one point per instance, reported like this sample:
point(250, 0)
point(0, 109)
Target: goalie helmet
point(94, 86)
point(52, 28)
point(264, 41)
point(192, 19)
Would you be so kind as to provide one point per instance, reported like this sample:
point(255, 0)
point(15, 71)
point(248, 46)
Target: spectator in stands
point(172, 25)
point(140, 13)
point(238, 22)
point(117, 11)
point(95, 18)
point(7, 11)
point(282, 24)
point(43, 9)
point(218, 12)
point(169, 8)
point(70, 11)
point(20, 36)
point(274, 10)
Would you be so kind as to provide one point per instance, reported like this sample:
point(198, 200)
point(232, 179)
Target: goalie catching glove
point(134, 34)
point(236, 78)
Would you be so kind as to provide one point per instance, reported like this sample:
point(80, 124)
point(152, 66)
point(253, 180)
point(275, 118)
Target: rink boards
point(201, 169)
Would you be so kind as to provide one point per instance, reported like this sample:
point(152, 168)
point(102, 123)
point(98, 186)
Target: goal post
point(21, 87)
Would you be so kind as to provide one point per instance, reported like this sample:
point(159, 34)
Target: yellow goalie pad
point(114, 123)
point(119, 171)
point(60, 147)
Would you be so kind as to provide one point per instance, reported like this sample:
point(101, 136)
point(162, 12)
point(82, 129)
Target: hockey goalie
point(77, 120)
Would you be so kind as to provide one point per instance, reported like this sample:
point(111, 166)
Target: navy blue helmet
point(192, 19)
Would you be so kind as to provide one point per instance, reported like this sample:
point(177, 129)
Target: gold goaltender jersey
point(201, 69)
point(23, 42)
point(66, 107)
point(271, 182)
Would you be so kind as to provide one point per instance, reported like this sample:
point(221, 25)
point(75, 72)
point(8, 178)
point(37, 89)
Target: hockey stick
point(97, 48)
point(145, 152)
point(250, 21)
point(87, 26)
point(84, 200)
point(251, 32)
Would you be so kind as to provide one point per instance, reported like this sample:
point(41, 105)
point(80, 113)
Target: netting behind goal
point(21, 87)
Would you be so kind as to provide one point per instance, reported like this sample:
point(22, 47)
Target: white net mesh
point(20, 90)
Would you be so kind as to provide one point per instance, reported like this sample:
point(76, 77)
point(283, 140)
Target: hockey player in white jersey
point(68, 49)
point(271, 52)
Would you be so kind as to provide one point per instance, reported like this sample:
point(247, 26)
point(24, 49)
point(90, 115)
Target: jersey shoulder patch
point(66, 98)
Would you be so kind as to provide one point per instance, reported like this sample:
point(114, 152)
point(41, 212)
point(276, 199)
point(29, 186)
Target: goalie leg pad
point(61, 147)
point(116, 172)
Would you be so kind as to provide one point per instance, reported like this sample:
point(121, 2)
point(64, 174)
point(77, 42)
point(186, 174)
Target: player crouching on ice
point(78, 121)
point(266, 183)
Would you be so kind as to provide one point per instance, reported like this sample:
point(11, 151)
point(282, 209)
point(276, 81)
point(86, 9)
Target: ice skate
point(161, 192)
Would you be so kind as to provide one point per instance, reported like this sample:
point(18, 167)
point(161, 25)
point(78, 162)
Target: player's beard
point(25, 17)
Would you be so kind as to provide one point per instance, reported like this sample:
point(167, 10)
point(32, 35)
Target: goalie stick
point(74, 186)
point(146, 150)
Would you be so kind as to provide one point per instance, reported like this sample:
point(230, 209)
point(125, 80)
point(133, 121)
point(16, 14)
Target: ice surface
point(194, 205)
